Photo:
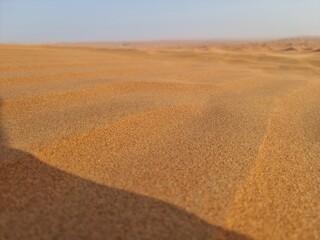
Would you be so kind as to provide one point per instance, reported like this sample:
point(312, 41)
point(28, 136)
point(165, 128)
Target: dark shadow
point(38, 201)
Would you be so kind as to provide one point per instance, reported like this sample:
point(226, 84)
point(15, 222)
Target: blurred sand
point(160, 141)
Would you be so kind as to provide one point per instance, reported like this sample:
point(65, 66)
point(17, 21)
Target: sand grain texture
point(201, 141)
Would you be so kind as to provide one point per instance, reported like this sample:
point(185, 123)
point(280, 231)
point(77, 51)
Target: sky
point(138, 20)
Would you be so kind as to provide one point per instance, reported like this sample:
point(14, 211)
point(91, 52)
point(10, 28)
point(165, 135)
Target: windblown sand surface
point(197, 142)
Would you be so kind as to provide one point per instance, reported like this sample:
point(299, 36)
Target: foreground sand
point(196, 142)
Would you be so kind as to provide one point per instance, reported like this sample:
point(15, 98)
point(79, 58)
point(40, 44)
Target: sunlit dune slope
point(202, 141)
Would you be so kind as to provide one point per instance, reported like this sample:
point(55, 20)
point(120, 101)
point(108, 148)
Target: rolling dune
point(198, 141)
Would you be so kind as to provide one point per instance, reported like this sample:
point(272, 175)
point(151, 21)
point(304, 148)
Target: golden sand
point(201, 141)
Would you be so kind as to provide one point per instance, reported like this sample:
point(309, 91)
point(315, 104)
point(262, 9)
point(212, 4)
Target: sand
point(163, 141)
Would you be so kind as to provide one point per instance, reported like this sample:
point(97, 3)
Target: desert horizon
point(160, 120)
point(175, 42)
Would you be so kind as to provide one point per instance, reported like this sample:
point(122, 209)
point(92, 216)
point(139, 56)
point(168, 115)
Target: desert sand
point(160, 141)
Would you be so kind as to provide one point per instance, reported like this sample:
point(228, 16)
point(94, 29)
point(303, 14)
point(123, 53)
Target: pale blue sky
point(129, 20)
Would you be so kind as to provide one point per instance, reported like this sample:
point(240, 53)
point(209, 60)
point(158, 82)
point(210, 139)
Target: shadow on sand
point(38, 201)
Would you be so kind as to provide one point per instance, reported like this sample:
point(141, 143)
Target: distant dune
point(162, 140)
point(302, 42)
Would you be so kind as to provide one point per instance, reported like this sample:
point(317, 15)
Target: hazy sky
point(112, 20)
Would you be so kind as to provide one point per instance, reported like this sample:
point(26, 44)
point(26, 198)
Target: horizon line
point(212, 40)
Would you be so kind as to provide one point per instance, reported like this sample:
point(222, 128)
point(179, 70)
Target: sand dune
point(164, 141)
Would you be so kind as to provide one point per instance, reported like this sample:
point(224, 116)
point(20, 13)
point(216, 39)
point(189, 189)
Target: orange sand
point(201, 141)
